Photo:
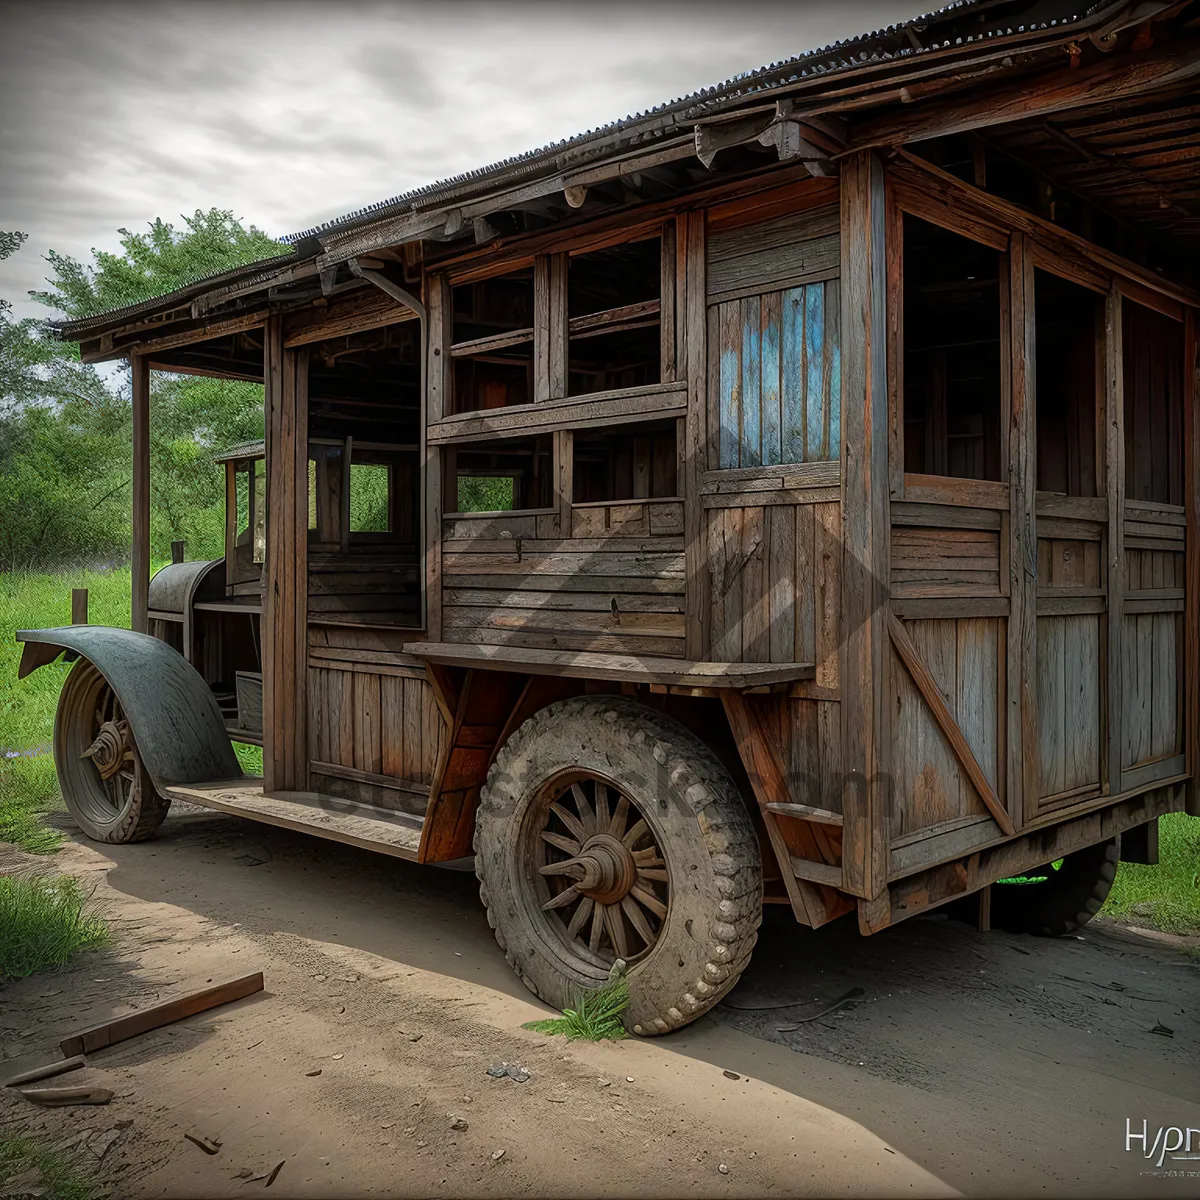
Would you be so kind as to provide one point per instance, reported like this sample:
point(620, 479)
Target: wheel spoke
point(616, 930)
point(563, 897)
point(571, 822)
point(585, 809)
point(648, 857)
point(653, 873)
point(603, 817)
point(579, 919)
point(638, 831)
point(637, 919)
point(569, 866)
point(563, 843)
point(651, 901)
point(617, 827)
point(597, 927)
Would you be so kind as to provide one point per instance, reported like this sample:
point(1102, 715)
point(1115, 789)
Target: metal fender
point(180, 734)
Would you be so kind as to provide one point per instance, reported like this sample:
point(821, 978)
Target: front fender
point(176, 723)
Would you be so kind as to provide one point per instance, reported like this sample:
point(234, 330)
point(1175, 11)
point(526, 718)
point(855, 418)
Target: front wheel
point(106, 788)
point(607, 831)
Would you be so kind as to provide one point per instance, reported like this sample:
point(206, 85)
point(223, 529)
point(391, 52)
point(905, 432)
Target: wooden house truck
point(786, 496)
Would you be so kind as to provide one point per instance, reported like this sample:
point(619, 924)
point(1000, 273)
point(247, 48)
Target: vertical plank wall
point(771, 502)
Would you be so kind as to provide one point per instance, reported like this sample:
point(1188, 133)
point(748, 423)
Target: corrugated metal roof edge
point(732, 89)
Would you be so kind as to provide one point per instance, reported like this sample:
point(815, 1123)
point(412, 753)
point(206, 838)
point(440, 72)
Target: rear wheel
point(103, 781)
point(1060, 897)
point(607, 831)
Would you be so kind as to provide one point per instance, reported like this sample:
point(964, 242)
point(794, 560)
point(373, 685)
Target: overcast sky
point(291, 113)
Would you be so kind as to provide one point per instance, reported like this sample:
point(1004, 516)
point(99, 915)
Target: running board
point(346, 821)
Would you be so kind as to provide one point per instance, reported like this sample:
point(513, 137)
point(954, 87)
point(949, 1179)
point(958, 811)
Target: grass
point(1167, 896)
point(38, 1167)
point(596, 1017)
point(45, 921)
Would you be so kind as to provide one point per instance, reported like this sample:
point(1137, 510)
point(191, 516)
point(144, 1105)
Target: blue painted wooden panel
point(779, 375)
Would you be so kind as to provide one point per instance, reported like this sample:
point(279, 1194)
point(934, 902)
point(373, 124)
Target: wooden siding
point(1153, 726)
point(777, 380)
point(795, 248)
point(376, 721)
point(1069, 707)
point(945, 562)
point(965, 656)
point(614, 594)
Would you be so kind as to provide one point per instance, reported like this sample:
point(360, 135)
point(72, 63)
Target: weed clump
point(44, 923)
point(598, 1015)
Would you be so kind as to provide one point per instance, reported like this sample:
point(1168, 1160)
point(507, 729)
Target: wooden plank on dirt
point(108, 1033)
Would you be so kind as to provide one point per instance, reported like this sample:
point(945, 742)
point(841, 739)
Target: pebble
point(337, 1056)
point(387, 1124)
point(311, 1074)
point(497, 1155)
point(341, 1008)
point(723, 1168)
point(731, 1075)
point(459, 1124)
point(628, 1078)
point(319, 978)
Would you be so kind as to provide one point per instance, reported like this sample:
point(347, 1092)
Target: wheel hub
point(109, 749)
point(608, 870)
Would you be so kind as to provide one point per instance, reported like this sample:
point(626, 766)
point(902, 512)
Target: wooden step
point(332, 817)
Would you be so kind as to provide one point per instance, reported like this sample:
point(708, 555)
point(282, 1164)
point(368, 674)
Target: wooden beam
point(1053, 91)
point(1114, 451)
point(1191, 623)
point(79, 606)
point(140, 370)
point(694, 354)
point(109, 1033)
point(927, 686)
point(865, 525)
point(1021, 760)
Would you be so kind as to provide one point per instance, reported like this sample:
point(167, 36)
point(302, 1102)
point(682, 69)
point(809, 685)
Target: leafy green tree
point(65, 429)
point(154, 263)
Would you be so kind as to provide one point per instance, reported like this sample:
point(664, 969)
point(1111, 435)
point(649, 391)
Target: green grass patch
point(44, 923)
point(29, 788)
point(28, 1167)
point(598, 1016)
point(1167, 896)
point(250, 757)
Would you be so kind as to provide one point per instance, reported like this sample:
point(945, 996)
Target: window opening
point(637, 462)
point(492, 342)
point(952, 344)
point(1152, 354)
point(370, 498)
point(1066, 346)
point(613, 309)
point(511, 473)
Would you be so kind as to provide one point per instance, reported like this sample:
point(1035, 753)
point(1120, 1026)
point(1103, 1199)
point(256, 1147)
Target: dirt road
point(978, 1063)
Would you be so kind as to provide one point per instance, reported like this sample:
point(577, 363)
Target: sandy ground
point(983, 1064)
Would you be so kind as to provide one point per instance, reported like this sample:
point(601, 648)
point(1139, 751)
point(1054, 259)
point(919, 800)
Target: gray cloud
point(292, 113)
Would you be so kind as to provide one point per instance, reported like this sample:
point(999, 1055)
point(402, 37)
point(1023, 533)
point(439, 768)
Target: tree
point(154, 263)
point(65, 430)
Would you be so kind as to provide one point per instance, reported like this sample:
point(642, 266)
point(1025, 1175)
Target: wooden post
point(1021, 724)
point(865, 526)
point(79, 606)
point(177, 549)
point(1191, 500)
point(140, 559)
point(1114, 446)
point(285, 584)
point(437, 405)
point(691, 265)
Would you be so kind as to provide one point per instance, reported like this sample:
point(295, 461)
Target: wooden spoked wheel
point(103, 781)
point(606, 884)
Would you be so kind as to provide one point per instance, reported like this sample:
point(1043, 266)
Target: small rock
point(313, 1074)
point(723, 1168)
point(410, 1129)
point(731, 1075)
point(421, 1145)
point(497, 1155)
point(341, 1008)
point(319, 978)
point(604, 1082)
point(414, 1037)
point(244, 1173)
point(337, 1056)
point(498, 1070)
point(387, 1124)
point(125, 1124)
point(459, 1124)
point(628, 1078)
